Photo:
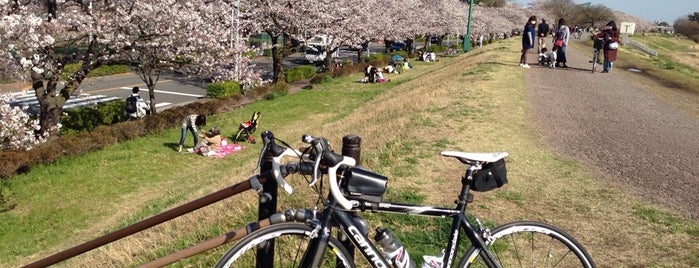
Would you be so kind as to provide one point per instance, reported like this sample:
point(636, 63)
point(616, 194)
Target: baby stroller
point(247, 128)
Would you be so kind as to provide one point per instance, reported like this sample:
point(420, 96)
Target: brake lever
point(267, 138)
point(316, 163)
point(276, 170)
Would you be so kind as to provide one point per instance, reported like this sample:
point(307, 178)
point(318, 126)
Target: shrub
point(103, 135)
point(90, 117)
point(281, 87)
point(221, 90)
point(321, 78)
point(299, 73)
point(377, 57)
point(103, 70)
point(12, 162)
point(437, 48)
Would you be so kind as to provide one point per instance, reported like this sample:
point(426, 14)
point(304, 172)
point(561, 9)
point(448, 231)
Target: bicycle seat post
point(465, 196)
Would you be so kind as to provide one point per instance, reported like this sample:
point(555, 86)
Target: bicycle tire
point(547, 245)
point(291, 240)
point(595, 58)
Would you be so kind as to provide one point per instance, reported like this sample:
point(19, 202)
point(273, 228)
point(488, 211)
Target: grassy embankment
point(473, 102)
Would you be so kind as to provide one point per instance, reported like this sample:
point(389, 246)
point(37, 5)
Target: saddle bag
point(491, 176)
point(361, 184)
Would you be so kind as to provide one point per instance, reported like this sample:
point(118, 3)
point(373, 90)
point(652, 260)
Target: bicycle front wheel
point(531, 244)
point(595, 59)
point(290, 242)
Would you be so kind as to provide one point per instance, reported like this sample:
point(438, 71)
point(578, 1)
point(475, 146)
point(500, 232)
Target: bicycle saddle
point(472, 158)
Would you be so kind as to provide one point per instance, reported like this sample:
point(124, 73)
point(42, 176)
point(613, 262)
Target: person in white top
point(136, 107)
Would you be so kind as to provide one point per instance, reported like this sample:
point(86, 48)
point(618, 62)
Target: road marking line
point(178, 93)
point(158, 105)
point(172, 93)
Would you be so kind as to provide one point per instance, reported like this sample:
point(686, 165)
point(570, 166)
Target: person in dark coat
point(610, 34)
point(528, 36)
point(542, 31)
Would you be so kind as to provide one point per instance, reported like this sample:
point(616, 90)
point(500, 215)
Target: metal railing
point(632, 43)
point(351, 146)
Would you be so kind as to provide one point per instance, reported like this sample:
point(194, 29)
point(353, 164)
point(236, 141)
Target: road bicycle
point(312, 237)
point(598, 44)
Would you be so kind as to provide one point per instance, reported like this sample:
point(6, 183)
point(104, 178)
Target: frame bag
point(361, 184)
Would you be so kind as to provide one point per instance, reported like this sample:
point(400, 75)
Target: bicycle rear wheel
point(531, 244)
point(290, 243)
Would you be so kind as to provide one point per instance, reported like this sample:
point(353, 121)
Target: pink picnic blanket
point(226, 149)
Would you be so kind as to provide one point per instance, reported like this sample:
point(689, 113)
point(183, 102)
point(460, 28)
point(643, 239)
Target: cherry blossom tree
point(33, 30)
point(40, 37)
point(192, 37)
point(17, 129)
point(344, 23)
point(279, 19)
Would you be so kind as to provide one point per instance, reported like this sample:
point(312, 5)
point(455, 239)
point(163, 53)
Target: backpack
point(131, 105)
point(559, 34)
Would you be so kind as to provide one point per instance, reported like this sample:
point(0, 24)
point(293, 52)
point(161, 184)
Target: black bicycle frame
point(344, 220)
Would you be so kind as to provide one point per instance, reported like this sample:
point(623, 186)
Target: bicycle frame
point(343, 219)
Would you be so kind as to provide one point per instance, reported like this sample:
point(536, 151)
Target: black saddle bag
point(491, 176)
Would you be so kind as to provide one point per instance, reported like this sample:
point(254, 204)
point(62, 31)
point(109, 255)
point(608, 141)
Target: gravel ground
point(634, 139)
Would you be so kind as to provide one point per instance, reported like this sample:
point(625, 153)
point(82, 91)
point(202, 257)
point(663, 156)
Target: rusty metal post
point(266, 207)
point(207, 245)
point(145, 224)
point(351, 146)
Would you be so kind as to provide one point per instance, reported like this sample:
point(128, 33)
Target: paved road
point(170, 90)
point(635, 139)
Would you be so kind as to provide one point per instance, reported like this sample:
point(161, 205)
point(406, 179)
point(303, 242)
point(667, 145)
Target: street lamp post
point(237, 38)
point(467, 37)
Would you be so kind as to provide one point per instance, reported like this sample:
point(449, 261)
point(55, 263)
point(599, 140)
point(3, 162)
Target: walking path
point(632, 137)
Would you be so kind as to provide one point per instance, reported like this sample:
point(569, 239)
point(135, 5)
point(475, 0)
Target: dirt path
point(636, 140)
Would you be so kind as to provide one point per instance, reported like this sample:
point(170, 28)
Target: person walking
point(136, 107)
point(610, 35)
point(561, 41)
point(528, 36)
point(191, 122)
point(542, 32)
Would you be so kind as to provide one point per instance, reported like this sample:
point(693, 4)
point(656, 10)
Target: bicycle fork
point(318, 245)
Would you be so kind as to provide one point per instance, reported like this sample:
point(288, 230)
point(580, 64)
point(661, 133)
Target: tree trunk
point(50, 103)
point(49, 115)
point(410, 44)
point(150, 76)
point(277, 60)
point(287, 44)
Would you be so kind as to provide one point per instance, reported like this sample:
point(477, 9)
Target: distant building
point(662, 29)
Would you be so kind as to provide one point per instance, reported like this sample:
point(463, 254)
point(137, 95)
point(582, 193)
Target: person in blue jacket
point(528, 37)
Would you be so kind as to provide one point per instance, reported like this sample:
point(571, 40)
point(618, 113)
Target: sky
point(651, 10)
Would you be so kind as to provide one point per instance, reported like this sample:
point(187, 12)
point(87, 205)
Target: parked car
point(398, 45)
point(315, 49)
